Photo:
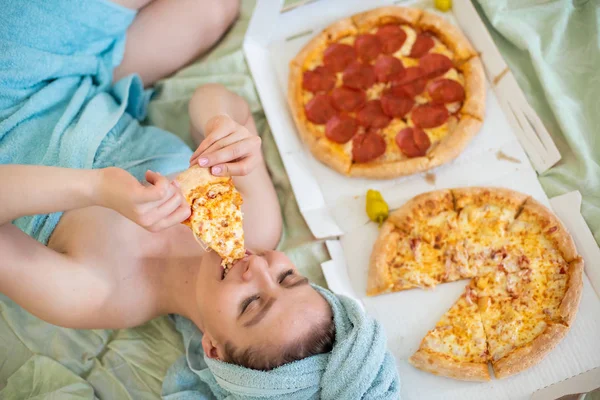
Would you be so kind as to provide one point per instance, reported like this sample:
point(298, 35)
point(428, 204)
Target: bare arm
point(262, 215)
point(29, 190)
point(32, 189)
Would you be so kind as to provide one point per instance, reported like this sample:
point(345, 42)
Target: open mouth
point(226, 270)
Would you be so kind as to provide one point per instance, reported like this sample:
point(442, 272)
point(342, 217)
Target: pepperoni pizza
point(389, 92)
point(526, 277)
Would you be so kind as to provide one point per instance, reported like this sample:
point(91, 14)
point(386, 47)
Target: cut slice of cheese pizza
point(216, 217)
point(456, 347)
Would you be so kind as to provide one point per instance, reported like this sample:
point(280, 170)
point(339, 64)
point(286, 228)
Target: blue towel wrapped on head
point(358, 367)
point(57, 103)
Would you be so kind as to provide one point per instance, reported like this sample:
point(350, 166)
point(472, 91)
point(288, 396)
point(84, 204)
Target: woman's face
point(261, 302)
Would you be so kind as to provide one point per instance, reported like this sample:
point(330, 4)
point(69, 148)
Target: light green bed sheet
point(551, 47)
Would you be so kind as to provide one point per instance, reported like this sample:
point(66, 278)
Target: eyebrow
point(265, 309)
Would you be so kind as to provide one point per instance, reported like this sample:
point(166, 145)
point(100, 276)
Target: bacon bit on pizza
point(525, 274)
point(548, 312)
point(413, 244)
point(553, 229)
point(523, 260)
point(437, 242)
point(224, 224)
point(500, 254)
point(563, 270)
point(502, 269)
point(470, 295)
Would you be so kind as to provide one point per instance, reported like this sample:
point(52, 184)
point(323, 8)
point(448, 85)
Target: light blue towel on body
point(358, 367)
point(57, 103)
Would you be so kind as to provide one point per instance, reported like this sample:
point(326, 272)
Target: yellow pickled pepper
point(443, 5)
point(377, 208)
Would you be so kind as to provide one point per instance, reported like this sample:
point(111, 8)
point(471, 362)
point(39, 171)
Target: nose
point(257, 268)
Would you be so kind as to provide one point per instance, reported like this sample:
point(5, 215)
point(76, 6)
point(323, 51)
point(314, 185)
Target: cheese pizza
point(388, 92)
point(216, 218)
point(524, 270)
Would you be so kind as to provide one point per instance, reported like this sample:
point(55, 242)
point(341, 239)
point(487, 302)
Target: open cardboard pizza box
point(508, 150)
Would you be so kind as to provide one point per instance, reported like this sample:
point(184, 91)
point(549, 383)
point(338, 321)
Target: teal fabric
point(58, 106)
point(553, 49)
point(358, 367)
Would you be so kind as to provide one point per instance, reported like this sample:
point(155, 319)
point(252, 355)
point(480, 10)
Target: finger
point(236, 151)
point(170, 205)
point(239, 168)
point(229, 140)
point(155, 214)
point(154, 196)
point(180, 214)
point(158, 189)
point(221, 128)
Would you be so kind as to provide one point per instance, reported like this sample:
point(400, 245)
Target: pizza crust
point(438, 364)
point(452, 145)
point(421, 207)
point(449, 34)
point(474, 104)
point(532, 353)
point(480, 196)
point(194, 177)
point(386, 15)
point(384, 249)
point(570, 303)
point(331, 154)
point(552, 228)
point(389, 170)
point(340, 29)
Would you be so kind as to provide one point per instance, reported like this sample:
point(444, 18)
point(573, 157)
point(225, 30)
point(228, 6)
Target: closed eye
point(246, 303)
point(285, 274)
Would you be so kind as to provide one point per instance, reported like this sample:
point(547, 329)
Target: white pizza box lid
point(333, 205)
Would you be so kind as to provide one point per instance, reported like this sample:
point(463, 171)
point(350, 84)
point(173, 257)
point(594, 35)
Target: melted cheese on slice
point(459, 334)
point(411, 37)
point(441, 48)
point(217, 220)
point(389, 133)
point(375, 91)
point(417, 264)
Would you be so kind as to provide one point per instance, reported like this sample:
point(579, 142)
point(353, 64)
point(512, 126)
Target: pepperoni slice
point(319, 109)
point(430, 115)
point(410, 74)
point(406, 142)
point(392, 38)
point(396, 106)
point(372, 115)
point(388, 68)
point(359, 76)
point(421, 139)
point(319, 79)
point(368, 47)
point(367, 147)
point(409, 90)
point(446, 91)
point(435, 65)
point(341, 128)
point(338, 56)
point(347, 99)
point(421, 46)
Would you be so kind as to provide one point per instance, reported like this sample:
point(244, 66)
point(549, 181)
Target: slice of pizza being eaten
point(216, 218)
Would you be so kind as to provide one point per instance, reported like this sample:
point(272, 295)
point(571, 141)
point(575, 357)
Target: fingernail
point(216, 170)
point(203, 161)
